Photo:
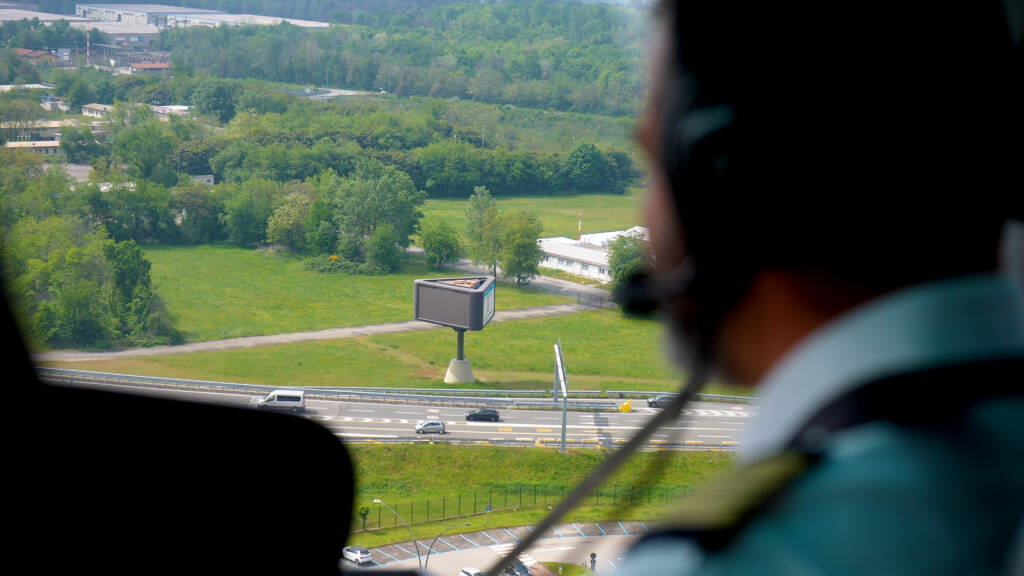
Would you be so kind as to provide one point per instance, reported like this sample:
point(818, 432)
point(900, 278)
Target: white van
point(294, 400)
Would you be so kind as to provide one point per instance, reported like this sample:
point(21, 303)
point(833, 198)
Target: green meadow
point(640, 490)
point(600, 212)
point(221, 291)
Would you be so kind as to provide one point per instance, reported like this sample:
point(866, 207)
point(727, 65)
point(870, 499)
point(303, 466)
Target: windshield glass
point(220, 199)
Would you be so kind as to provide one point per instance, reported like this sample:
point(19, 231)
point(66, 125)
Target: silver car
point(356, 554)
point(430, 426)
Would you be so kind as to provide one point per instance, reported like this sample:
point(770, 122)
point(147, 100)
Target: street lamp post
point(435, 540)
point(414, 542)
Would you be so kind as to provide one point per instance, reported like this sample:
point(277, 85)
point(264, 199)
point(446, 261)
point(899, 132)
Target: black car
point(483, 414)
point(660, 401)
point(516, 568)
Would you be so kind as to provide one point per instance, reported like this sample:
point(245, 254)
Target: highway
point(703, 423)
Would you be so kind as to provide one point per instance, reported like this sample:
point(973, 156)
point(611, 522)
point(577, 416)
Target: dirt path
point(269, 340)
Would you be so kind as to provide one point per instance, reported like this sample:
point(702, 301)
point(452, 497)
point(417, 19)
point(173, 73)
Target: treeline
point(446, 147)
point(36, 35)
point(559, 56)
point(69, 282)
point(323, 10)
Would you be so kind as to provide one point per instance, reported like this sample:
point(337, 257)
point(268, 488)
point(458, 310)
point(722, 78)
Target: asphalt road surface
point(702, 422)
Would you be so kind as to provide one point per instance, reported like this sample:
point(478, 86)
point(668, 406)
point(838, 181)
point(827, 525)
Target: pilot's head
point(806, 158)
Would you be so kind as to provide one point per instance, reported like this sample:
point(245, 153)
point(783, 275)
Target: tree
point(376, 194)
point(148, 147)
point(627, 255)
point(440, 242)
point(141, 212)
point(199, 214)
point(587, 169)
point(520, 253)
point(248, 209)
point(79, 145)
point(287, 225)
point(382, 251)
point(484, 229)
point(216, 97)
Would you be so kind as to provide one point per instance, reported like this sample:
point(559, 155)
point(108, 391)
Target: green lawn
point(602, 350)
point(601, 212)
point(531, 481)
point(220, 291)
point(563, 275)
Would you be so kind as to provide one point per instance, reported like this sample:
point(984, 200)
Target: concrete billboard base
point(459, 372)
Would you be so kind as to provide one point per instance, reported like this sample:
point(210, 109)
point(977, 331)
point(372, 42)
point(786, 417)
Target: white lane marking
point(502, 549)
point(711, 436)
point(413, 413)
point(556, 549)
point(354, 410)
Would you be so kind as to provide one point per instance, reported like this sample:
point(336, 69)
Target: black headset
point(696, 151)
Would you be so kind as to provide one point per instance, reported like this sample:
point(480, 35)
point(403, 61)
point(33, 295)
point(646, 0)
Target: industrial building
point(586, 256)
point(164, 16)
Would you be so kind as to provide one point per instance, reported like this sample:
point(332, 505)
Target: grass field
point(601, 212)
point(602, 349)
point(523, 471)
point(220, 291)
point(563, 275)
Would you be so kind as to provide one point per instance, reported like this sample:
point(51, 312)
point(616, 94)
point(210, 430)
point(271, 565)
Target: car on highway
point(516, 568)
point(483, 414)
point(356, 554)
point(294, 400)
point(660, 401)
point(429, 427)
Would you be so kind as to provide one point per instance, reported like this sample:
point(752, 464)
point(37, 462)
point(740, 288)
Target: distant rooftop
point(34, 144)
point(14, 14)
point(9, 87)
point(114, 28)
point(253, 19)
point(150, 8)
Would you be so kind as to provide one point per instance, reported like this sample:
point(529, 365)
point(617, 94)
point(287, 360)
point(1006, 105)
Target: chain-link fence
point(373, 516)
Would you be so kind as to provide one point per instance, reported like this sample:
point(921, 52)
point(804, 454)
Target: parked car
point(470, 571)
point(356, 554)
point(483, 414)
point(516, 568)
point(660, 401)
point(429, 426)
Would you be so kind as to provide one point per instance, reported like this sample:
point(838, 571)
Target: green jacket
point(891, 442)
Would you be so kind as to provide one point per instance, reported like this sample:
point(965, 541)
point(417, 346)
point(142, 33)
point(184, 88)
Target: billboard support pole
point(462, 336)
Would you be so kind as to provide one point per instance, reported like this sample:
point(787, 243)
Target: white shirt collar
point(971, 318)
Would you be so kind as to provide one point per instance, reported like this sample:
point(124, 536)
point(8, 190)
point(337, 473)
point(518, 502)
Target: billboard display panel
point(460, 303)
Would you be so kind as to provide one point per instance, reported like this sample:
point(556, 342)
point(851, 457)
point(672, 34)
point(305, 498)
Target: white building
point(587, 256)
point(97, 110)
point(164, 16)
point(43, 148)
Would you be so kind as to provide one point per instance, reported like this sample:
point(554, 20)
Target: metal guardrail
point(580, 400)
point(68, 376)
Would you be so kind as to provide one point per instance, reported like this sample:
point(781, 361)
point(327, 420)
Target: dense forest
point(342, 11)
point(535, 54)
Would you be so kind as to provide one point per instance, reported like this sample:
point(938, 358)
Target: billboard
point(460, 303)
